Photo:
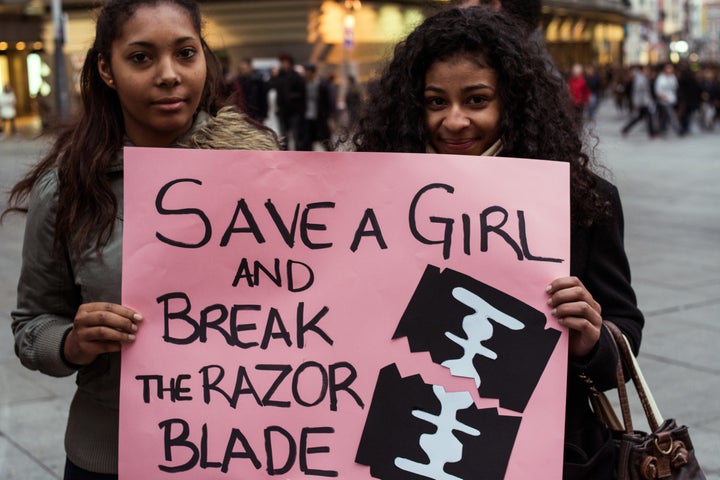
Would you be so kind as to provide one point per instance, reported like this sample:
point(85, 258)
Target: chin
point(175, 124)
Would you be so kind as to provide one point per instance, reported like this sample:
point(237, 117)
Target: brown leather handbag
point(667, 451)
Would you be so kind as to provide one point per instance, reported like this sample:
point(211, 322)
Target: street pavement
point(671, 199)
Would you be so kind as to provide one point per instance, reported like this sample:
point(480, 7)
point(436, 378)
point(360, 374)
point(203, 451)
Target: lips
point(169, 103)
point(458, 145)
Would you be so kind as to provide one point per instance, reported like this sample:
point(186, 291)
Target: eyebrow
point(469, 88)
point(145, 43)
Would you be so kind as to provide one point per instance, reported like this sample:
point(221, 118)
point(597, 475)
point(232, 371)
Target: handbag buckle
point(672, 454)
point(667, 443)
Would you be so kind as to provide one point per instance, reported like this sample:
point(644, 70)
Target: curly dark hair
point(528, 12)
point(536, 119)
point(84, 148)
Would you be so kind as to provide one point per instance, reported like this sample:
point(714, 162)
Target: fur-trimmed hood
point(228, 130)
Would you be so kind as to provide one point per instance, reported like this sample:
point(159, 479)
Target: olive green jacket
point(52, 286)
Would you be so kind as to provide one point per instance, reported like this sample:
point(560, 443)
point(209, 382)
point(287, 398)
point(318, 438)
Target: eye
point(138, 57)
point(435, 102)
point(478, 100)
point(187, 53)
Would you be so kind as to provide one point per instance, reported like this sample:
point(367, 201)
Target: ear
point(105, 72)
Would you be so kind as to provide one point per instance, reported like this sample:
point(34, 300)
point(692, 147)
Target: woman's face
point(158, 69)
point(462, 109)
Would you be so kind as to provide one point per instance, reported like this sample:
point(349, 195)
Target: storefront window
point(4, 70)
point(34, 69)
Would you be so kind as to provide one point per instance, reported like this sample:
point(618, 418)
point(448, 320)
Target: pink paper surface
point(362, 292)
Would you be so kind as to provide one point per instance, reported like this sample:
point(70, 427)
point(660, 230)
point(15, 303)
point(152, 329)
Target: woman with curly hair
point(467, 82)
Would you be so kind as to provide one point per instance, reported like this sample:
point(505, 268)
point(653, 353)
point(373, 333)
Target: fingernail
point(131, 337)
point(548, 288)
point(553, 312)
point(134, 327)
point(137, 317)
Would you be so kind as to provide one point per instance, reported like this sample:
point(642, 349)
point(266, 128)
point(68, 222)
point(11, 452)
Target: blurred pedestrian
point(621, 86)
point(373, 82)
point(467, 82)
point(710, 98)
point(353, 100)
point(272, 120)
point(149, 80)
point(666, 91)
point(579, 92)
point(595, 85)
point(642, 101)
point(689, 97)
point(291, 101)
point(252, 91)
point(330, 81)
point(8, 111)
point(318, 110)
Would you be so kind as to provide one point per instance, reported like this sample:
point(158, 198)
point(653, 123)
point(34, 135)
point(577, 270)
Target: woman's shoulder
point(599, 202)
point(609, 195)
point(605, 187)
point(42, 205)
point(45, 188)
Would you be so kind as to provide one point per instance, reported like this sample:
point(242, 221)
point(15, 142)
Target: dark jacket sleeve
point(598, 259)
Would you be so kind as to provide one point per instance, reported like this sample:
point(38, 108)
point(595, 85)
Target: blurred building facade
point(587, 31)
point(20, 45)
point(705, 30)
point(344, 37)
point(675, 30)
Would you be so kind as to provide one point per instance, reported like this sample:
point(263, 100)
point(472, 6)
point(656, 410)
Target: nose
point(456, 119)
point(167, 73)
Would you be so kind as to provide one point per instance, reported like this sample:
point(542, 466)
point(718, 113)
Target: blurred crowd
point(306, 104)
point(666, 99)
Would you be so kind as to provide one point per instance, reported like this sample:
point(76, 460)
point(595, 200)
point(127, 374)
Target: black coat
point(291, 94)
point(598, 259)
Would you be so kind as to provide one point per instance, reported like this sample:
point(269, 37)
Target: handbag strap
point(627, 358)
point(620, 377)
point(605, 411)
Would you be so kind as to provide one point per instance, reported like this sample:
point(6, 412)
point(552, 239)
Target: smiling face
point(462, 109)
point(158, 69)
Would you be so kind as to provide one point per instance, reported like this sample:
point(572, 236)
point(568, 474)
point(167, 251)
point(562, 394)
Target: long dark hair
point(536, 115)
point(84, 149)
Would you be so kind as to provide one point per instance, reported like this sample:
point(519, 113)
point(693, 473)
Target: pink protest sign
point(342, 315)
